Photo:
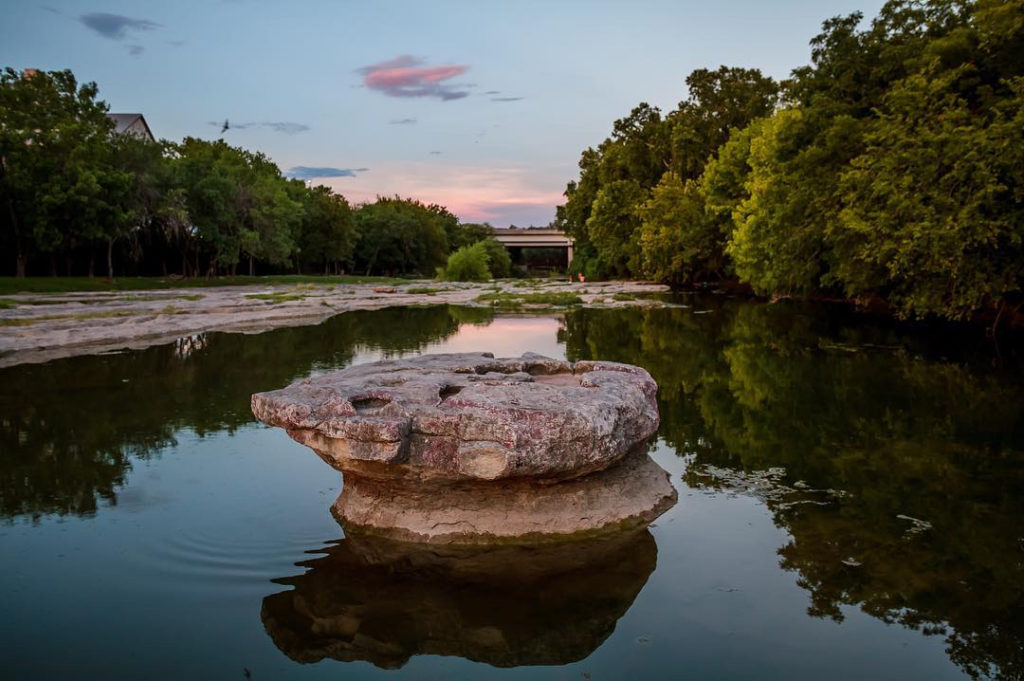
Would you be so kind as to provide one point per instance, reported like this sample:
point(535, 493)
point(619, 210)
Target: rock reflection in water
point(384, 601)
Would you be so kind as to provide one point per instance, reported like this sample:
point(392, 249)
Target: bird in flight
point(225, 127)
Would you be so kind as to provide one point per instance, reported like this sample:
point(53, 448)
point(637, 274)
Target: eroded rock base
point(630, 494)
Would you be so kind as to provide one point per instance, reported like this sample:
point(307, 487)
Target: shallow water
point(851, 505)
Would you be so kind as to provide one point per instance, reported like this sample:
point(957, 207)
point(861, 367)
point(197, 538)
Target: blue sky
point(480, 106)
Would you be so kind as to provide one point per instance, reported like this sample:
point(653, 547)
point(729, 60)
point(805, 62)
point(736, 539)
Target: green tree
point(719, 102)
point(602, 207)
point(613, 226)
point(468, 233)
point(239, 204)
point(327, 237)
point(51, 132)
point(398, 236)
point(499, 262)
point(933, 217)
point(778, 240)
point(680, 241)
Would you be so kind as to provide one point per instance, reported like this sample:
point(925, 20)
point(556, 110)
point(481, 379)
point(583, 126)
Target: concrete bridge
point(517, 239)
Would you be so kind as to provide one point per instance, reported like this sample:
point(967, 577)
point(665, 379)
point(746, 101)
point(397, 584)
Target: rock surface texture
point(464, 447)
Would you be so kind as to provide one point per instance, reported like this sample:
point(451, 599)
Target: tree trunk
point(20, 261)
point(252, 269)
point(92, 264)
point(53, 265)
point(67, 265)
point(110, 258)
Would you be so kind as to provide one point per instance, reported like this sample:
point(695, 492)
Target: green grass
point(277, 296)
point(9, 285)
point(7, 304)
point(27, 321)
point(513, 300)
point(624, 296)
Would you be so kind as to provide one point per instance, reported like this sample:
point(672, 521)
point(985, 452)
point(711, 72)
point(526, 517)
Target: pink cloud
point(405, 77)
point(501, 196)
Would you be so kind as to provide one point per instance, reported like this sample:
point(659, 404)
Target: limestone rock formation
point(469, 416)
point(469, 449)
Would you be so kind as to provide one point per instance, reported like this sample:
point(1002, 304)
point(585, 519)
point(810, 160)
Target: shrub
point(469, 263)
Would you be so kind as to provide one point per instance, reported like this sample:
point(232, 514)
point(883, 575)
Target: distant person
point(583, 279)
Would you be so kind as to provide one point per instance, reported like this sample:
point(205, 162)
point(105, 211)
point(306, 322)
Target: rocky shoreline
point(41, 327)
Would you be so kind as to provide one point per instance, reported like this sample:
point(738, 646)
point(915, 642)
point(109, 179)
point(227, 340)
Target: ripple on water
point(206, 562)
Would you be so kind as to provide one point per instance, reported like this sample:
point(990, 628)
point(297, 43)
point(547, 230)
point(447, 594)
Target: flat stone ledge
point(468, 416)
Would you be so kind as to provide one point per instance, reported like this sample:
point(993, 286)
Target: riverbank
point(36, 327)
point(16, 285)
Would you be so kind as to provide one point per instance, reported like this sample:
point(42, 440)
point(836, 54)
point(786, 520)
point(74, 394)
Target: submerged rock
point(469, 416)
point(466, 448)
point(631, 493)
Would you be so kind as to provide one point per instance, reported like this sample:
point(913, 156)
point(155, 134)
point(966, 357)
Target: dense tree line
point(79, 199)
point(890, 168)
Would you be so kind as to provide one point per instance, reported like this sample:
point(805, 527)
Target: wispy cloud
point(406, 76)
point(286, 127)
point(135, 50)
point(403, 121)
point(51, 10)
point(116, 26)
point(506, 99)
point(176, 43)
point(492, 92)
point(310, 173)
point(435, 153)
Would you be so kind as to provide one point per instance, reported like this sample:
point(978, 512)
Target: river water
point(851, 506)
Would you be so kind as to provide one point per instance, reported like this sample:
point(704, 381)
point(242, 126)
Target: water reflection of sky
point(504, 337)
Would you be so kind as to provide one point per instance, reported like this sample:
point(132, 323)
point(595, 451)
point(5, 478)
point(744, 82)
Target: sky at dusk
point(483, 107)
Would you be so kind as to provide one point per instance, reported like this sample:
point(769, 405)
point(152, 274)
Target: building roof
point(124, 121)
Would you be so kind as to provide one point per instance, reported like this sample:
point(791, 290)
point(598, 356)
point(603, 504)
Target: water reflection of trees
point(69, 429)
point(879, 412)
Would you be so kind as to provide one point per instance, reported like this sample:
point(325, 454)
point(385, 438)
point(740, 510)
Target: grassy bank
point(10, 285)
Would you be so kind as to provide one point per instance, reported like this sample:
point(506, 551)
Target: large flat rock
point(468, 416)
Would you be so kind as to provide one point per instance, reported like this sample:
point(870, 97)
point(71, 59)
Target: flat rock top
point(469, 416)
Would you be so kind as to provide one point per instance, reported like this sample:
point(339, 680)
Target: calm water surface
point(851, 506)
